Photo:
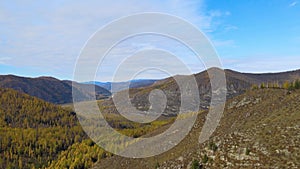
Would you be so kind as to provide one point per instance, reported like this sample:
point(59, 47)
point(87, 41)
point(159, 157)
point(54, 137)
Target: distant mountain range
point(114, 87)
point(50, 89)
point(60, 91)
point(237, 83)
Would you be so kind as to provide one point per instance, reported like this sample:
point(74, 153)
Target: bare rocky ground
point(259, 129)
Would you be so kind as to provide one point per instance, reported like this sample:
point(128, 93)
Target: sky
point(45, 38)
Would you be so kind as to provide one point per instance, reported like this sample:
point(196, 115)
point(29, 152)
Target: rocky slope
point(259, 129)
point(236, 83)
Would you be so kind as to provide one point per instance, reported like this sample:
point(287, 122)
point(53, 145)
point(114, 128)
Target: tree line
point(289, 85)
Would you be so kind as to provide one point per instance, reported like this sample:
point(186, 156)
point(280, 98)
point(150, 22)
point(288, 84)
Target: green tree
point(297, 84)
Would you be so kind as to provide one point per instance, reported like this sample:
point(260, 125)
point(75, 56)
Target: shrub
point(195, 165)
point(254, 87)
point(286, 85)
point(213, 146)
point(247, 151)
point(204, 159)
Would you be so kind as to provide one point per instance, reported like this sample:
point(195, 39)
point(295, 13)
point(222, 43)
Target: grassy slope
point(260, 129)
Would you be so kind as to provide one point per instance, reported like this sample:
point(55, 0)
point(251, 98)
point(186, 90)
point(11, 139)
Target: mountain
point(257, 78)
point(259, 129)
point(237, 83)
point(49, 88)
point(59, 92)
point(119, 86)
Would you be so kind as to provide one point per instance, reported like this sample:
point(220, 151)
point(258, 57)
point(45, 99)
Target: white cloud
point(230, 28)
point(266, 63)
point(294, 3)
point(131, 46)
point(49, 36)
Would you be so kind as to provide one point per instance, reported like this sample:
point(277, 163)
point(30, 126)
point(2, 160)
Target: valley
point(259, 127)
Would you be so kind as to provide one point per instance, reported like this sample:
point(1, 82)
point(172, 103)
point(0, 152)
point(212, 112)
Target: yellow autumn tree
point(286, 85)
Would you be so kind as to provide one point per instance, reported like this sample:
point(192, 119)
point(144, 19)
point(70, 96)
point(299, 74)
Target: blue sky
point(45, 38)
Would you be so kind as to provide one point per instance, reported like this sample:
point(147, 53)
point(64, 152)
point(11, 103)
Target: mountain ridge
point(114, 87)
point(60, 91)
point(236, 82)
point(48, 88)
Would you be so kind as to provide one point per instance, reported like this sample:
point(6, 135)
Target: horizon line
point(228, 69)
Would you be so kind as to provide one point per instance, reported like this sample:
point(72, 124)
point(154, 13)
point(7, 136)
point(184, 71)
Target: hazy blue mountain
point(114, 87)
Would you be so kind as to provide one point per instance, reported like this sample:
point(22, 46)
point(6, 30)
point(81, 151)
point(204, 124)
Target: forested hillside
point(50, 89)
point(38, 134)
point(33, 132)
